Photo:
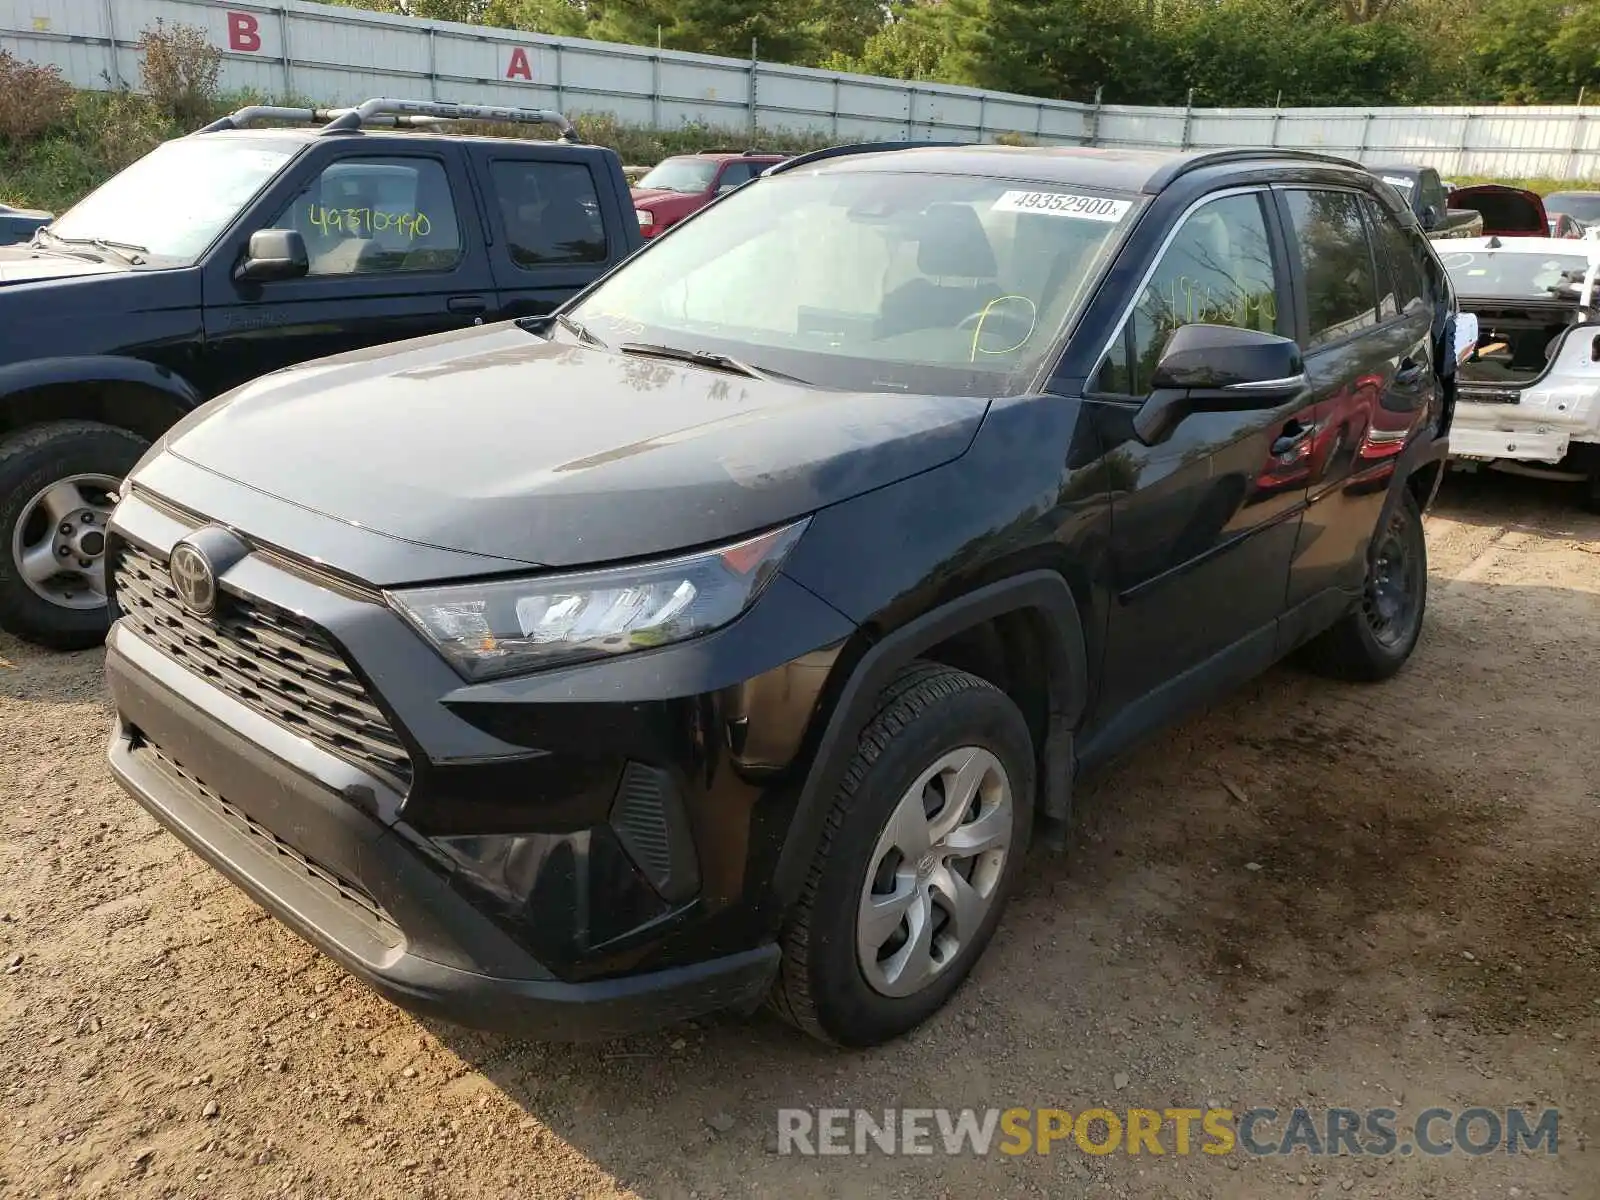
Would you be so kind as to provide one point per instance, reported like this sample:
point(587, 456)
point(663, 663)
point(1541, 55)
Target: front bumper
point(163, 747)
point(578, 853)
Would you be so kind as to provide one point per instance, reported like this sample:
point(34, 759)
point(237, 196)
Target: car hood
point(649, 197)
point(19, 264)
point(1506, 210)
point(494, 441)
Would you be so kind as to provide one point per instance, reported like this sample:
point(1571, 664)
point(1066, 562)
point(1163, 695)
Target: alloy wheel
point(58, 544)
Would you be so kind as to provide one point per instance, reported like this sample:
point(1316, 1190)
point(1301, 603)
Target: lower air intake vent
point(653, 828)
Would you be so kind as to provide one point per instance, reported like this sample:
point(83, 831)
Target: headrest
point(951, 241)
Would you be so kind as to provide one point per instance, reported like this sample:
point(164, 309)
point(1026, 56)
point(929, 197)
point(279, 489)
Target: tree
point(915, 43)
point(1063, 49)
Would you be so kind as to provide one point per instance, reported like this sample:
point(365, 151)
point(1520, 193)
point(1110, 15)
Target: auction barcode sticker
point(1064, 204)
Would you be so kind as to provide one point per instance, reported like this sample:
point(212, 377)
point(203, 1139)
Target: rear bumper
point(1536, 442)
point(370, 901)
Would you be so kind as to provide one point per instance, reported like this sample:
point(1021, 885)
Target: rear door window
point(733, 175)
point(1399, 273)
point(1341, 283)
point(550, 212)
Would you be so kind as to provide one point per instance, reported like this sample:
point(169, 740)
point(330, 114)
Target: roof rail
point(804, 160)
point(390, 114)
point(1183, 164)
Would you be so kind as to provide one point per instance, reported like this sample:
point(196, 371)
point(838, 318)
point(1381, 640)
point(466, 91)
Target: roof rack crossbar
point(802, 160)
point(383, 112)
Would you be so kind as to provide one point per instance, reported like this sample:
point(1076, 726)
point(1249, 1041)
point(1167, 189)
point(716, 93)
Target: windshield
point(876, 282)
point(1509, 273)
point(681, 175)
point(177, 199)
point(1585, 206)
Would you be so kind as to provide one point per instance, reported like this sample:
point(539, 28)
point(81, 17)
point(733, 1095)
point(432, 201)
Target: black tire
point(1591, 493)
point(929, 710)
point(30, 461)
point(1376, 637)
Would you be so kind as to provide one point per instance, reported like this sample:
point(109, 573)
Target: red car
point(679, 186)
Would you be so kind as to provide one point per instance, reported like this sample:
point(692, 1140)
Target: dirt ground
point(1313, 894)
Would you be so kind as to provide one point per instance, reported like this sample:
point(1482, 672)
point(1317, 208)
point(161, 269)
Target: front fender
point(1042, 592)
point(34, 373)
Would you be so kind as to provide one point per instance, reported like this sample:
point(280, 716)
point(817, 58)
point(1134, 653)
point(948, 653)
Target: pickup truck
point(676, 188)
point(20, 224)
point(1429, 198)
point(240, 250)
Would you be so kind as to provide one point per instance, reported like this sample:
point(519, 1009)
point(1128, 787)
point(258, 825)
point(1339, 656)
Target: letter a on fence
point(520, 67)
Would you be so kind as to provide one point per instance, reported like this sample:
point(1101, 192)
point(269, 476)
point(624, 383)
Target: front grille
point(272, 661)
point(351, 895)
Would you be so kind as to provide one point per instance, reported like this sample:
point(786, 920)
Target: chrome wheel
point(59, 542)
point(935, 871)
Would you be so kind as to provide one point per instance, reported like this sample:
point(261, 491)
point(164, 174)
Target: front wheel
point(1374, 639)
point(57, 484)
point(921, 850)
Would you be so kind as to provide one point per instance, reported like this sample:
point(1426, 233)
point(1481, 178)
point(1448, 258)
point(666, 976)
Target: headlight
point(512, 626)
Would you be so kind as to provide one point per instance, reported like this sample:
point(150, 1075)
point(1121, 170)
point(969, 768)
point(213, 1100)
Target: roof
point(1147, 171)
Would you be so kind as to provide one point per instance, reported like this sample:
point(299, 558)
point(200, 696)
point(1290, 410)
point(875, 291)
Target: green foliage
point(1243, 52)
point(915, 42)
point(1230, 52)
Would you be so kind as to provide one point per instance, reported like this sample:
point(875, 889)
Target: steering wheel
point(997, 316)
point(997, 313)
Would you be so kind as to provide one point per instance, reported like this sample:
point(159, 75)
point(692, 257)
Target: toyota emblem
point(193, 579)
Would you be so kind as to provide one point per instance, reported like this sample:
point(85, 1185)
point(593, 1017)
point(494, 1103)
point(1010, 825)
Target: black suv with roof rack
point(236, 251)
point(729, 634)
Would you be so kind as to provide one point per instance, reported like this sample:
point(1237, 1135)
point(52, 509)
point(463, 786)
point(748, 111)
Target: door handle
point(1294, 435)
point(467, 304)
point(1410, 373)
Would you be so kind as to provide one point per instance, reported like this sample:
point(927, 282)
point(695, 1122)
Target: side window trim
point(1121, 329)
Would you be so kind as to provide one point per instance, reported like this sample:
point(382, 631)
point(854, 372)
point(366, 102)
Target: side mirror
point(1217, 368)
point(724, 188)
point(274, 254)
point(1430, 217)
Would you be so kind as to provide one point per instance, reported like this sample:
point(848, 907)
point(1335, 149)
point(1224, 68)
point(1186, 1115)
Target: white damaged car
point(1529, 389)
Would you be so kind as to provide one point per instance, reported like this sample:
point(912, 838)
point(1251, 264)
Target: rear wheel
point(1374, 639)
point(56, 487)
point(921, 850)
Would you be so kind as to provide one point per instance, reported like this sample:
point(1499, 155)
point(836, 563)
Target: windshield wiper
point(38, 243)
point(125, 250)
point(706, 358)
point(578, 330)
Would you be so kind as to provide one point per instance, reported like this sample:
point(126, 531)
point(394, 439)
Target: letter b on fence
point(244, 32)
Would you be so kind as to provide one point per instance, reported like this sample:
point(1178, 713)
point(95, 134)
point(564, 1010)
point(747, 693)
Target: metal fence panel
point(340, 56)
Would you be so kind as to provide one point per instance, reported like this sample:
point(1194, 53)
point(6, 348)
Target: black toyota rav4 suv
point(730, 634)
